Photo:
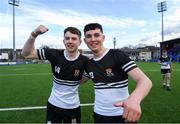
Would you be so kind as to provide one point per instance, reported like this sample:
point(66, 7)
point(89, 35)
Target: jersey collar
point(97, 59)
point(69, 59)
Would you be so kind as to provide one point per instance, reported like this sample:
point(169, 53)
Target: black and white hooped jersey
point(66, 76)
point(109, 74)
point(165, 62)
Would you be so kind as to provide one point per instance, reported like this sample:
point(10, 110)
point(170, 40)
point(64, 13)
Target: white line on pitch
point(36, 107)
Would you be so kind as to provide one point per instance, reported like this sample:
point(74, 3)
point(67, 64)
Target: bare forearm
point(132, 109)
point(143, 84)
point(142, 89)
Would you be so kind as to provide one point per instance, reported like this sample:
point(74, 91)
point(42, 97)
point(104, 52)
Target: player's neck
point(99, 53)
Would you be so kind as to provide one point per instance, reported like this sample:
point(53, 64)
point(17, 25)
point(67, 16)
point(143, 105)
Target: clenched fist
point(39, 30)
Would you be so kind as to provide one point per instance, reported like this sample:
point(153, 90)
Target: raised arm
point(29, 50)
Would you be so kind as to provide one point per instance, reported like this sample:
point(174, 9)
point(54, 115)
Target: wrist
point(34, 34)
point(135, 98)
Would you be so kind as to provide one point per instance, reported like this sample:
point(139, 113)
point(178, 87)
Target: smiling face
point(94, 40)
point(71, 41)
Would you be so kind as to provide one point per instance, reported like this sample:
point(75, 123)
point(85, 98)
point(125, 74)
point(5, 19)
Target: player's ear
point(103, 37)
point(85, 40)
point(80, 41)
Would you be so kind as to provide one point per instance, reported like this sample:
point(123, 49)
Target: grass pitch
point(30, 85)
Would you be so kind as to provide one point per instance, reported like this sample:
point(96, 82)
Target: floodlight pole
point(14, 3)
point(114, 42)
point(161, 8)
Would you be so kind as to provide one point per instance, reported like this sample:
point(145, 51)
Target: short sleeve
point(123, 60)
point(46, 54)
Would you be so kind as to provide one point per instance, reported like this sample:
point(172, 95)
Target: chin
point(94, 50)
point(72, 50)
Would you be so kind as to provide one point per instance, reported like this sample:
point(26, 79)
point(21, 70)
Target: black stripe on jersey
point(41, 54)
point(120, 84)
point(130, 65)
point(65, 82)
point(111, 87)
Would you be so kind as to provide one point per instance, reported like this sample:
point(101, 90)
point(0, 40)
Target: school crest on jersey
point(76, 72)
point(109, 72)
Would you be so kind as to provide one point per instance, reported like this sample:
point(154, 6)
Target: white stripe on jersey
point(120, 84)
point(125, 66)
point(42, 54)
point(129, 67)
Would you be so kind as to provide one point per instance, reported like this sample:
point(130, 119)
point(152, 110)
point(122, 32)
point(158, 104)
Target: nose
point(69, 40)
point(92, 38)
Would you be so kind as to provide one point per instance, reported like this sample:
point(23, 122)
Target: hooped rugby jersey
point(66, 76)
point(109, 74)
point(165, 62)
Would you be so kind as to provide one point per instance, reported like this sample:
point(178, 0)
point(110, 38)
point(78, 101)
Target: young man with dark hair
point(67, 67)
point(109, 70)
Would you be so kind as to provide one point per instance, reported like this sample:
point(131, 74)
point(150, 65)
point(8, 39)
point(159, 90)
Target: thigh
point(168, 75)
point(54, 114)
point(72, 115)
point(107, 119)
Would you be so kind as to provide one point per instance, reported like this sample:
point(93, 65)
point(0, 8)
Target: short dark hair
point(73, 30)
point(92, 26)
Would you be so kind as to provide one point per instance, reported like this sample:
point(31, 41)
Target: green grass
point(34, 86)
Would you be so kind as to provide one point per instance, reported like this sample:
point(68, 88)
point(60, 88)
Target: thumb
point(119, 104)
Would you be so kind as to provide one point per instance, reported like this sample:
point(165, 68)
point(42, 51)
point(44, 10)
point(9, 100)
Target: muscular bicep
point(136, 74)
point(32, 55)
